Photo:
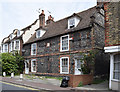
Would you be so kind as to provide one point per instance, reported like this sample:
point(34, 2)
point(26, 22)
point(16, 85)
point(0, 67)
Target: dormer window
point(18, 33)
point(73, 22)
point(38, 34)
point(11, 36)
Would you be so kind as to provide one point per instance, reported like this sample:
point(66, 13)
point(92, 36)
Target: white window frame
point(18, 33)
point(69, 21)
point(2, 48)
point(117, 71)
point(61, 43)
point(6, 48)
point(16, 45)
point(10, 47)
point(32, 65)
point(61, 65)
point(32, 49)
point(38, 36)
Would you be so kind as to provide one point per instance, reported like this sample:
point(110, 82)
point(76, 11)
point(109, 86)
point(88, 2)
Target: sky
point(18, 14)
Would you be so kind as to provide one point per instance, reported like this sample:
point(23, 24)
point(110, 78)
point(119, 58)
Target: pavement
point(52, 84)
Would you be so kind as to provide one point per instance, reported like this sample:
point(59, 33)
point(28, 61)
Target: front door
point(77, 67)
point(27, 67)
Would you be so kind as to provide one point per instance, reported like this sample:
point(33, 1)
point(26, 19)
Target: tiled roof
point(61, 27)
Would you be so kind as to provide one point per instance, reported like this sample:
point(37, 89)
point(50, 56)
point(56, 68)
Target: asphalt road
point(8, 87)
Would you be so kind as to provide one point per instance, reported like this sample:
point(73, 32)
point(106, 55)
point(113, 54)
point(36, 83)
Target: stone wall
point(48, 57)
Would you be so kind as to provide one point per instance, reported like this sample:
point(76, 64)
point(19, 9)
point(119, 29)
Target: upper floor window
point(18, 33)
point(12, 45)
point(38, 34)
point(73, 22)
point(6, 48)
point(64, 43)
point(9, 47)
point(17, 45)
point(2, 48)
point(33, 49)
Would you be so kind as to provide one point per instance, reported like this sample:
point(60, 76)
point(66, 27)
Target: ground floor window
point(116, 71)
point(33, 65)
point(64, 65)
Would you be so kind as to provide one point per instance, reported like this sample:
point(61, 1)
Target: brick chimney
point(50, 20)
point(42, 19)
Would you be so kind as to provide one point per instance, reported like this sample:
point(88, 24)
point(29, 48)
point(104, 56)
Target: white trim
point(112, 48)
point(32, 65)
point(76, 20)
point(111, 69)
point(61, 43)
point(61, 65)
point(115, 80)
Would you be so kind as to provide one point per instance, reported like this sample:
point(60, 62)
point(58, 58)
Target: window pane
point(117, 57)
point(33, 48)
point(115, 75)
point(65, 65)
point(119, 75)
point(17, 45)
point(115, 66)
point(65, 43)
point(119, 66)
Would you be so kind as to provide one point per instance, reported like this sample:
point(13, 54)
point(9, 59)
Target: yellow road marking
point(18, 86)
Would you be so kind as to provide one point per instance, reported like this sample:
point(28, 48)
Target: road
point(8, 87)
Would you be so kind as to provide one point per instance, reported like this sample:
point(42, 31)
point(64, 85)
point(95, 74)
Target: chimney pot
point(50, 19)
point(42, 19)
point(42, 11)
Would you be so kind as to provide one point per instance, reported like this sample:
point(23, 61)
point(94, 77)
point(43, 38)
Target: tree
point(19, 61)
point(8, 63)
point(12, 63)
point(88, 62)
point(0, 66)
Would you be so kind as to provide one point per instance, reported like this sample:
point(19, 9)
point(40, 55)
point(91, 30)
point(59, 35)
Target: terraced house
point(15, 41)
point(55, 46)
point(112, 42)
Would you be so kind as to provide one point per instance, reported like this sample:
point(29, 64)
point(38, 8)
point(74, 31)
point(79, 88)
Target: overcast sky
point(17, 14)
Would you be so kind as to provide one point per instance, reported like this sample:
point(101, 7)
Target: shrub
point(80, 84)
point(11, 63)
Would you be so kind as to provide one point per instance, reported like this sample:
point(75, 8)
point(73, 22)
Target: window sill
point(64, 73)
point(115, 80)
point(33, 71)
point(33, 54)
point(64, 50)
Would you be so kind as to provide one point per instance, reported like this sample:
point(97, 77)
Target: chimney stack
point(42, 19)
point(50, 19)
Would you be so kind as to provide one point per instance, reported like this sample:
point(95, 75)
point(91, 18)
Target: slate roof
point(61, 27)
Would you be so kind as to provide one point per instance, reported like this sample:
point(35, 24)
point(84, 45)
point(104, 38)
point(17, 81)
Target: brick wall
point(76, 79)
point(112, 23)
